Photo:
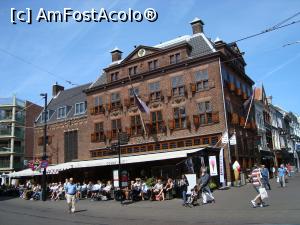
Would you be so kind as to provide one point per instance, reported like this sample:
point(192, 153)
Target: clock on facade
point(141, 52)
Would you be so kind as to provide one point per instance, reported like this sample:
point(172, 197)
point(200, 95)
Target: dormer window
point(62, 112)
point(80, 108)
point(114, 76)
point(43, 116)
point(132, 70)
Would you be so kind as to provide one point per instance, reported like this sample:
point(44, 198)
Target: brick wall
point(31, 113)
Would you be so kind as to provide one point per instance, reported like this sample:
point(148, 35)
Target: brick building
point(67, 133)
point(195, 89)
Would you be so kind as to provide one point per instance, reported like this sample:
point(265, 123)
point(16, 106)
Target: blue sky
point(79, 51)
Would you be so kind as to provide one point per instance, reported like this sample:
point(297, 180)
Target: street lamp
point(44, 157)
point(116, 147)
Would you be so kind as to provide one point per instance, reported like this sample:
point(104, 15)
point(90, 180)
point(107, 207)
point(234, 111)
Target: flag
point(189, 165)
point(140, 104)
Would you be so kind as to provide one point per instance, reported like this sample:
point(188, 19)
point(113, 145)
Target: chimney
point(197, 25)
point(116, 54)
point(56, 89)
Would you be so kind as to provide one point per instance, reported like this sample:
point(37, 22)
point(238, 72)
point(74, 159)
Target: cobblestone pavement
point(232, 207)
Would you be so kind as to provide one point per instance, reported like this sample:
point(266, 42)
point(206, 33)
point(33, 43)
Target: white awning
point(25, 173)
point(55, 169)
point(135, 158)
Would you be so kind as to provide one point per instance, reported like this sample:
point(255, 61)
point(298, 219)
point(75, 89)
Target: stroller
point(193, 197)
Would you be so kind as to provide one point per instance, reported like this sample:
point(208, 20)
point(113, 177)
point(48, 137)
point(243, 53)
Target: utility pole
point(119, 169)
point(44, 157)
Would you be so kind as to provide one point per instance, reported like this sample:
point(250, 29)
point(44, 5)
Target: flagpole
point(249, 108)
point(143, 124)
point(140, 113)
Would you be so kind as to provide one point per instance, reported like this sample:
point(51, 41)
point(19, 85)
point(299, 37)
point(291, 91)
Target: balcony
point(4, 118)
point(17, 149)
point(5, 132)
point(10, 102)
point(4, 150)
point(4, 164)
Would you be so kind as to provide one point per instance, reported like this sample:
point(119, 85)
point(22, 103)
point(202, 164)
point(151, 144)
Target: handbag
point(263, 193)
point(277, 179)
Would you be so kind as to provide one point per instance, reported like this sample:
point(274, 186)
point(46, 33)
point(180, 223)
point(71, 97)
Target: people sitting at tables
point(89, 189)
point(144, 189)
point(83, 190)
point(136, 189)
point(158, 191)
point(106, 191)
point(95, 190)
point(169, 188)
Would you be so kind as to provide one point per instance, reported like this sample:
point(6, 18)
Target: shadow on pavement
point(78, 211)
point(5, 198)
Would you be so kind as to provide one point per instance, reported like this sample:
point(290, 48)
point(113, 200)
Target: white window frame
point(58, 115)
point(80, 112)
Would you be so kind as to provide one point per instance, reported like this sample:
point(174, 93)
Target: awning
point(55, 169)
point(25, 173)
point(136, 158)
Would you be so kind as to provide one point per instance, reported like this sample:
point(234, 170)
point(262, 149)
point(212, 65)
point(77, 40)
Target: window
point(134, 90)
point(231, 78)
point(61, 113)
point(153, 65)
point(43, 116)
point(204, 107)
point(225, 74)
point(98, 105)
point(116, 128)
point(201, 78)
point(155, 93)
point(157, 124)
point(175, 58)
point(114, 76)
point(132, 70)
point(131, 91)
point(136, 125)
point(180, 118)
point(115, 101)
point(238, 83)
point(71, 145)
point(205, 111)
point(205, 141)
point(98, 134)
point(80, 108)
point(177, 86)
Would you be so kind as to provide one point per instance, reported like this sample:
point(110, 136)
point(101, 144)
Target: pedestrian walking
point(256, 182)
point(183, 185)
point(70, 195)
point(281, 174)
point(265, 177)
point(204, 187)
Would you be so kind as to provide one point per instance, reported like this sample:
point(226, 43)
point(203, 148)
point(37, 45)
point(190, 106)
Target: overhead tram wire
point(266, 31)
point(276, 27)
point(37, 67)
